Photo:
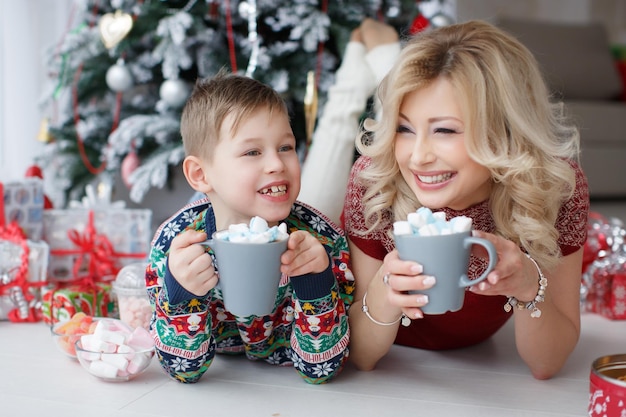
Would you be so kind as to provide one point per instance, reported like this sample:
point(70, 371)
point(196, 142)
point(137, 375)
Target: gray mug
point(249, 274)
point(446, 257)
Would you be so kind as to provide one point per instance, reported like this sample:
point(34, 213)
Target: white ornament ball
point(119, 78)
point(174, 92)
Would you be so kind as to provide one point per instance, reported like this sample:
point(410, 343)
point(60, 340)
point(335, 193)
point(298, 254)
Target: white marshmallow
point(137, 363)
point(119, 361)
point(428, 230)
point(416, 220)
point(110, 336)
point(103, 369)
point(258, 225)
point(402, 228)
point(439, 216)
point(461, 224)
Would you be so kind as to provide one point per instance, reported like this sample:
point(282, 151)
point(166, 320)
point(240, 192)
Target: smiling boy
point(241, 153)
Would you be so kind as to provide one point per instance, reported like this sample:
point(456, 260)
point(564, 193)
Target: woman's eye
point(253, 152)
point(403, 129)
point(445, 131)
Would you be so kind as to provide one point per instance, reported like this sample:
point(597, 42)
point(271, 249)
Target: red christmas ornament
point(129, 165)
point(419, 24)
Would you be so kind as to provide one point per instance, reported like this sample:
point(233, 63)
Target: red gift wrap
point(94, 265)
point(603, 287)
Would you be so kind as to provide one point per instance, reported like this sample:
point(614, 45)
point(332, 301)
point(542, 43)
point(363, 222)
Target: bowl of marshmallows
point(115, 351)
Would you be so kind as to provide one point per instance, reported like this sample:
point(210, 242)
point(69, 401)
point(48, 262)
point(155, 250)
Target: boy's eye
point(286, 148)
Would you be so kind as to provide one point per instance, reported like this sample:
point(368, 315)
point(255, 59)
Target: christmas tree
point(121, 73)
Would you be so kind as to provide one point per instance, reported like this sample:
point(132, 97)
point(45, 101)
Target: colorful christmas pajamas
point(309, 332)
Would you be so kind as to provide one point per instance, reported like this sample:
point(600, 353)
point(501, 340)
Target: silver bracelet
point(539, 298)
point(405, 320)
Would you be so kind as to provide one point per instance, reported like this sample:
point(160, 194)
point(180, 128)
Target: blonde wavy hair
point(512, 127)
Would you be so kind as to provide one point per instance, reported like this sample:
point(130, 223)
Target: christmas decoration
point(174, 92)
point(44, 133)
point(129, 165)
point(23, 203)
point(118, 77)
point(89, 243)
point(23, 265)
point(310, 106)
point(115, 27)
point(603, 289)
point(166, 46)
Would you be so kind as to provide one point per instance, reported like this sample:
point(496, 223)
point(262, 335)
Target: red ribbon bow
point(96, 251)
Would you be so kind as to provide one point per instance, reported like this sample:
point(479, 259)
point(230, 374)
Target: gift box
point(23, 202)
point(603, 289)
point(61, 301)
point(23, 268)
point(606, 293)
point(95, 241)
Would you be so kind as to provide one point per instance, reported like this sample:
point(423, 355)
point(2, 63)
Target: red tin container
point(607, 386)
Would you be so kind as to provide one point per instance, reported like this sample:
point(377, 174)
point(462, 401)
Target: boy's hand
point(190, 265)
point(304, 255)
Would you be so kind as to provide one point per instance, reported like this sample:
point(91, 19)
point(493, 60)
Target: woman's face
point(430, 150)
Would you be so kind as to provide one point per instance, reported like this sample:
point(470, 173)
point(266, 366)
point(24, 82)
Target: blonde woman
point(468, 128)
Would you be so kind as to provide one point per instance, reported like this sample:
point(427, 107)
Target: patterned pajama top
point(308, 328)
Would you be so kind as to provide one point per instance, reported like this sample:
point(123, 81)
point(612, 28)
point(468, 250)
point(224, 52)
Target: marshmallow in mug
point(424, 222)
point(258, 231)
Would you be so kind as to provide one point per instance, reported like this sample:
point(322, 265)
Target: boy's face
point(255, 171)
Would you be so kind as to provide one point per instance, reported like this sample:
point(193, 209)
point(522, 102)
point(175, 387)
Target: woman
point(468, 128)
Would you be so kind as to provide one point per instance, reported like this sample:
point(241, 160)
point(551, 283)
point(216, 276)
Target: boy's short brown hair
point(213, 99)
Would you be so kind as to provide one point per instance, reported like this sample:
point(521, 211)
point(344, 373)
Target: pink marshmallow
point(141, 339)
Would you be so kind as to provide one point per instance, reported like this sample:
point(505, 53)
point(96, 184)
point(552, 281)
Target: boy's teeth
point(274, 189)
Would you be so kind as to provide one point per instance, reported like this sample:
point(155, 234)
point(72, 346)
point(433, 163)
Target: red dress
point(481, 316)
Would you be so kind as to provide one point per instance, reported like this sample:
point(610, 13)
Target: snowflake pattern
point(188, 216)
point(275, 358)
point(179, 364)
point(171, 229)
point(254, 337)
point(322, 369)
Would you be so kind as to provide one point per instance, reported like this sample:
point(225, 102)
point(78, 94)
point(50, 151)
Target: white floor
point(486, 380)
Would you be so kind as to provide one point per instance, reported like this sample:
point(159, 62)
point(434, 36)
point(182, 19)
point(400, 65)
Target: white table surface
point(486, 380)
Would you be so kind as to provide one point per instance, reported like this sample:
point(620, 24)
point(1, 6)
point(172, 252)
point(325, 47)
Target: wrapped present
point(606, 292)
point(89, 243)
point(603, 289)
point(23, 267)
point(62, 300)
point(23, 203)
point(95, 241)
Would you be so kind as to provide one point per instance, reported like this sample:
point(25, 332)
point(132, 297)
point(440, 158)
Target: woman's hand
point(402, 276)
point(514, 274)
